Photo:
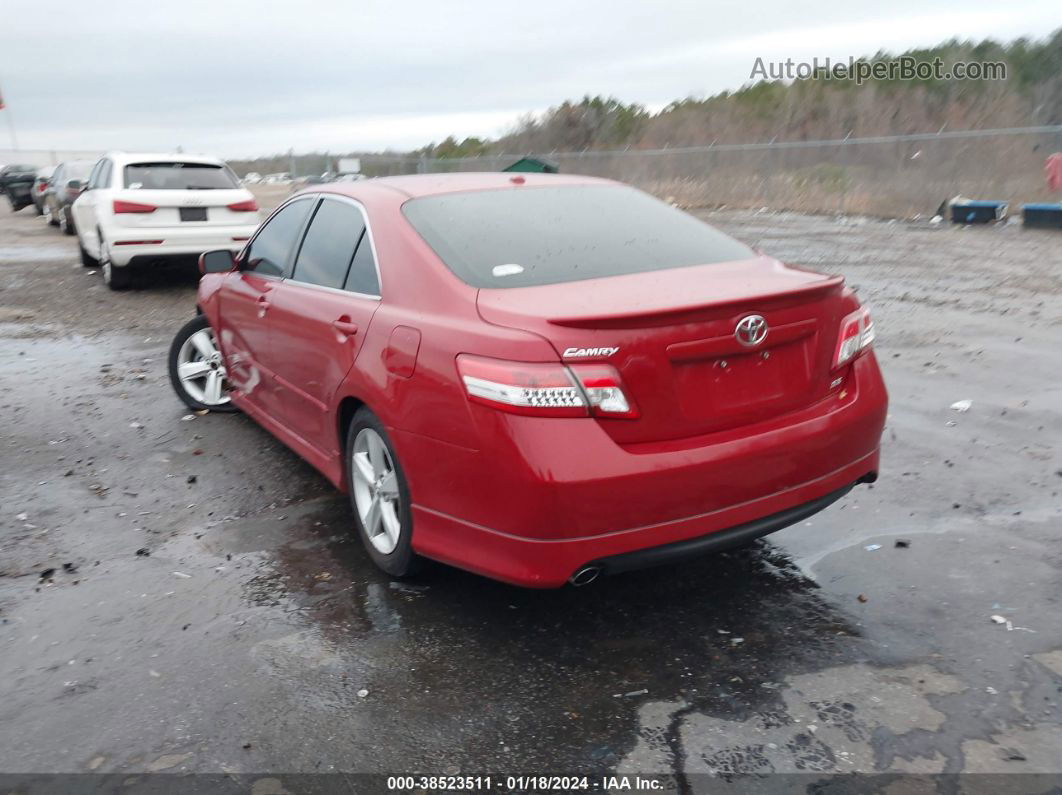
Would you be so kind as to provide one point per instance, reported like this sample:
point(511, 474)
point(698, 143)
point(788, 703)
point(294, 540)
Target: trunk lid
point(678, 355)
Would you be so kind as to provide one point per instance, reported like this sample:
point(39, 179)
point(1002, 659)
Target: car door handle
point(344, 326)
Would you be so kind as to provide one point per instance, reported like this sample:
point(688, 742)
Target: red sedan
point(538, 378)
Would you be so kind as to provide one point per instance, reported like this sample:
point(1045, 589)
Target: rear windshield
point(521, 237)
point(179, 176)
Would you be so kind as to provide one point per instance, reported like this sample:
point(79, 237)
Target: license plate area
point(193, 213)
point(747, 384)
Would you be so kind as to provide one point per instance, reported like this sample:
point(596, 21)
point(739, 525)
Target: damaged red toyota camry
point(538, 378)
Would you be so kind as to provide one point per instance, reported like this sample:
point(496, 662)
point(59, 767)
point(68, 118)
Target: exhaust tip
point(585, 576)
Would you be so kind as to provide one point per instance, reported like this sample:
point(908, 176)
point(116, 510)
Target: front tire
point(86, 259)
point(197, 370)
point(379, 496)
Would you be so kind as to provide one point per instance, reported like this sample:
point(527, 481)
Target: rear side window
point(518, 237)
point(362, 277)
point(270, 251)
point(94, 177)
point(178, 176)
point(328, 248)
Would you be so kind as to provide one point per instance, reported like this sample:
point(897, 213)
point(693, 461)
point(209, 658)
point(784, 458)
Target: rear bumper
point(19, 194)
point(721, 540)
point(127, 244)
point(550, 496)
point(537, 563)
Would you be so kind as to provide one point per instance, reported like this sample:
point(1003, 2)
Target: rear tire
point(115, 277)
point(66, 223)
point(380, 482)
point(49, 216)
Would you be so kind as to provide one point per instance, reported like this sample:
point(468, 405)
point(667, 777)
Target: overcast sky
point(241, 78)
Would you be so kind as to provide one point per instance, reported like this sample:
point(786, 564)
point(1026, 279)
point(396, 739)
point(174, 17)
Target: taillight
point(132, 207)
point(857, 334)
point(522, 387)
point(248, 206)
point(604, 391)
point(545, 389)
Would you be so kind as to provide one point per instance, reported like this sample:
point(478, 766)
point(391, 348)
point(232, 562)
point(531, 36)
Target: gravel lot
point(828, 648)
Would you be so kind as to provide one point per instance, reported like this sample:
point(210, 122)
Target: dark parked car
point(16, 181)
point(64, 187)
point(40, 185)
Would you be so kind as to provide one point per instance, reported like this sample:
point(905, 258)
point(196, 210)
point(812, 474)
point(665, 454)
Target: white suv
point(141, 208)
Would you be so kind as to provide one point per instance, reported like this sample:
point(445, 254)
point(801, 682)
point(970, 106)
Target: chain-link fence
point(888, 176)
point(896, 176)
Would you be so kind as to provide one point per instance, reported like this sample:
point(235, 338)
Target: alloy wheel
point(375, 484)
point(201, 370)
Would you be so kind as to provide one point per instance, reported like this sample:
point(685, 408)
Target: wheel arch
point(348, 407)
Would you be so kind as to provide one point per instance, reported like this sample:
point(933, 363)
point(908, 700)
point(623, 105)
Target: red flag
point(1052, 168)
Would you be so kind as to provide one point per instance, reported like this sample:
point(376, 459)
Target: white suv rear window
point(178, 176)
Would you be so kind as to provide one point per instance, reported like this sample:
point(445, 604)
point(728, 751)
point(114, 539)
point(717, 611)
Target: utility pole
point(291, 162)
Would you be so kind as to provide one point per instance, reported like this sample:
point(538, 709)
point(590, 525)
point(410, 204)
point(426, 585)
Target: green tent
point(536, 165)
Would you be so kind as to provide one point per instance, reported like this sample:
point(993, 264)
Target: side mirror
point(75, 184)
point(220, 261)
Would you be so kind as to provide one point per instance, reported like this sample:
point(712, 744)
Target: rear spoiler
point(675, 313)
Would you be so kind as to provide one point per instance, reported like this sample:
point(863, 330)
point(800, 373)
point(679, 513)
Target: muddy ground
point(254, 636)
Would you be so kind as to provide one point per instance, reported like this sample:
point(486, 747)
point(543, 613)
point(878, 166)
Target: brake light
point(248, 206)
point(132, 207)
point(522, 387)
point(604, 391)
point(857, 334)
point(545, 389)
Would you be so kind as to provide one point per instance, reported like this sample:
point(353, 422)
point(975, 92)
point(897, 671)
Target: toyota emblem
point(751, 330)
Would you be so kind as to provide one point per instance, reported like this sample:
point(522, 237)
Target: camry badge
point(751, 330)
point(578, 353)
